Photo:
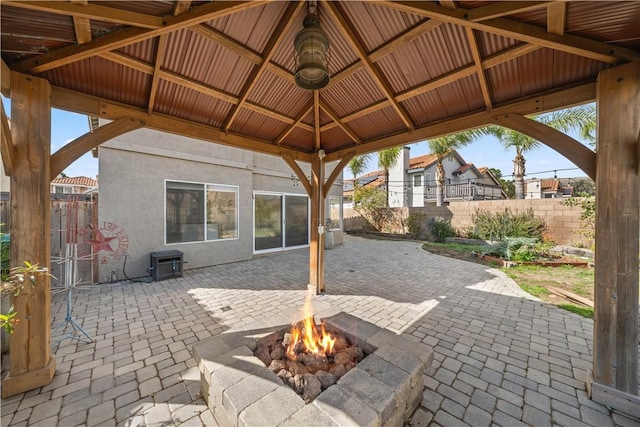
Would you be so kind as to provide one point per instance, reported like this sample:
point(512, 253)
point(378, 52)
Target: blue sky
point(487, 151)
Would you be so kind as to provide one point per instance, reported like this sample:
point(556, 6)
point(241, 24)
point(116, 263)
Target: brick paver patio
point(501, 356)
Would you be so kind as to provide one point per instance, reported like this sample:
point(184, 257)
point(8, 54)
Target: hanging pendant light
point(311, 48)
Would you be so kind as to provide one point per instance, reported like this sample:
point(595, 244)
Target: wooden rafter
point(557, 18)
point(316, 119)
point(7, 148)
point(449, 4)
point(476, 19)
point(347, 29)
point(119, 39)
point(274, 41)
point(293, 125)
point(179, 80)
point(180, 7)
point(226, 41)
point(338, 121)
point(155, 81)
point(492, 61)
point(93, 11)
point(62, 158)
point(506, 8)
point(477, 60)
point(66, 99)
point(402, 39)
point(81, 26)
point(532, 105)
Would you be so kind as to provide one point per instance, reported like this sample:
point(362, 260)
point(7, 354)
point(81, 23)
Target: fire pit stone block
point(382, 390)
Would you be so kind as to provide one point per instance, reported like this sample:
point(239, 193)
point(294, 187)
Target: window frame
point(205, 188)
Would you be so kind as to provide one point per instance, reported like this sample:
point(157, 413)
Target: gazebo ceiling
point(400, 71)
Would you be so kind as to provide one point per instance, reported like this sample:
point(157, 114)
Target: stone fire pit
point(382, 390)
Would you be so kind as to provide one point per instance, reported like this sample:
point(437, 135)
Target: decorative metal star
point(101, 243)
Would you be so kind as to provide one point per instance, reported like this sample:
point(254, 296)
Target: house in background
point(213, 203)
point(412, 181)
point(73, 185)
point(547, 188)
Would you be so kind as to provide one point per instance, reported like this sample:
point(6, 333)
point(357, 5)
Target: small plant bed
point(558, 261)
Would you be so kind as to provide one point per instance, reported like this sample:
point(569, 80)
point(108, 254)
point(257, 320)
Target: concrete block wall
point(564, 226)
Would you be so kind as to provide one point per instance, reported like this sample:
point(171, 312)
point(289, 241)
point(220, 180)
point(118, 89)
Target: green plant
point(582, 311)
point(536, 291)
point(519, 249)
point(503, 224)
point(17, 279)
point(370, 203)
point(440, 229)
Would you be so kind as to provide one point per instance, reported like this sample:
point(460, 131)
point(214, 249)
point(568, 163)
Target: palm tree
point(357, 165)
point(386, 160)
point(581, 118)
point(441, 147)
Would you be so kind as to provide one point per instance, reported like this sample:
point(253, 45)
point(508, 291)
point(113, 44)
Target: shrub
point(414, 224)
point(440, 229)
point(587, 215)
point(500, 225)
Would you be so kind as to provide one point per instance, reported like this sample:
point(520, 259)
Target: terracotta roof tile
point(422, 161)
point(81, 181)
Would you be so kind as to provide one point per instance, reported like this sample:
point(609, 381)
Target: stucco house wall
point(133, 171)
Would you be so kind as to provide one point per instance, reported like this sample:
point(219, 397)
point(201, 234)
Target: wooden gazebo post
point(615, 357)
point(31, 364)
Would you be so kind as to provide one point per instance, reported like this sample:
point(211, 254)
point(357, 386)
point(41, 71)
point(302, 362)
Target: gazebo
point(318, 82)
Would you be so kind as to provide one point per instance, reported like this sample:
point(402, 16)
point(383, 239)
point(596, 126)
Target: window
point(335, 213)
point(417, 180)
point(281, 221)
point(198, 212)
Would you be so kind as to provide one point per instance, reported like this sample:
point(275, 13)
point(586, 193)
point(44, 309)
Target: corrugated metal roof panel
point(256, 125)
point(334, 138)
point(299, 139)
point(340, 52)
point(454, 98)
point(277, 94)
point(144, 51)
point(188, 104)
point(376, 124)
point(425, 108)
point(618, 25)
point(352, 94)
point(490, 43)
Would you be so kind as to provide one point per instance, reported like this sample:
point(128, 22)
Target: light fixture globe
point(311, 46)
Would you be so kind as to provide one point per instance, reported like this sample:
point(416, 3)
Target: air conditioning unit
point(166, 264)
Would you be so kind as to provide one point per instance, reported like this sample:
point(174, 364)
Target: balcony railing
point(465, 191)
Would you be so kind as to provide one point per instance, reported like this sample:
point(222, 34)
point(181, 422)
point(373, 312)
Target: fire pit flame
point(306, 338)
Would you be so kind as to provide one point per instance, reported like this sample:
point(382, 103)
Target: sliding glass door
point(281, 221)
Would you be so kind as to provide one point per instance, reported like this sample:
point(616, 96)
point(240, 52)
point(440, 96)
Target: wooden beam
point(532, 105)
point(274, 41)
point(128, 61)
point(78, 102)
point(31, 363)
point(557, 17)
point(492, 61)
point(528, 33)
point(448, 4)
point(7, 149)
point(573, 150)
point(82, 28)
point(316, 244)
point(119, 39)
point(336, 172)
point(227, 42)
point(5, 79)
point(505, 8)
point(347, 29)
point(155, 81)
point(293, 125)
point(93, 11)
point(477, 60)
point(403, 39)
point(615, 341)
point(298, 171)
point(316, 119)
point(72, 151)
point(337, 120)
point(180, 7)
